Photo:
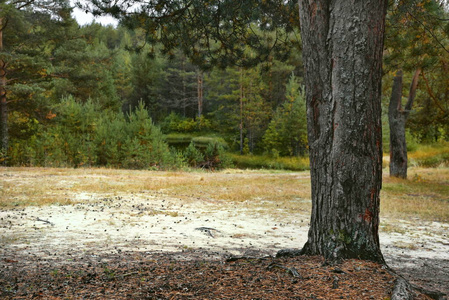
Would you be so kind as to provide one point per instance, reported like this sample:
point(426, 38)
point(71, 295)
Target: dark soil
point(191, 275)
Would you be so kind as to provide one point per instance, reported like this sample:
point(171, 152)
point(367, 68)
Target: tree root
point(403, 289)
point(289, 253)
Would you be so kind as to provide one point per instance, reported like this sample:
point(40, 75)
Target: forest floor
point(100, 234)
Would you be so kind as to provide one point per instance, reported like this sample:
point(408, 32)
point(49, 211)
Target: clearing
point(61, 218)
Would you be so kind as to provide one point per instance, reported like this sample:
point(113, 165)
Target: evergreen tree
point(81, 67)
point(415, 40)
point(148, 76)
point(24, 21)
point(287, 132)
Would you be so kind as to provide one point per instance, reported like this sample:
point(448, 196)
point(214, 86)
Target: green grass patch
point(270, 163)
point(204, 141)
point(178, 138)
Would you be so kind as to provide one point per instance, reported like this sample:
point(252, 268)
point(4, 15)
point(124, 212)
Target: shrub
point(174, 123)
point(212, 157)
point(82, 134)
point(145, 146)
point(193, 156)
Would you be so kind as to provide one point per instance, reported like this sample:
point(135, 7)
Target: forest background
point(95, 95)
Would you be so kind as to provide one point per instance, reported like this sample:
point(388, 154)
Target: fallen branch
point(246, 257)
point(45, 221)
point(207, 230)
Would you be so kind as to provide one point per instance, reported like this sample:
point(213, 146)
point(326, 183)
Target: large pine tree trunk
point(342, 53)
point(397, 118)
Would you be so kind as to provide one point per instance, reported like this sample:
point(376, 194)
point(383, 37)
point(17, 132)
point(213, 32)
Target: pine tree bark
point(342, 54)
point(397, 117)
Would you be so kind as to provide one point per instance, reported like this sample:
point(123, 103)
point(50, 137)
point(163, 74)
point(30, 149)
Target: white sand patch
point(151, 223)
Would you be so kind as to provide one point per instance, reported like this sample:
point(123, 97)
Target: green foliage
point(287, 132)
point(67, 85)
point(82, 134)
point(69, 141)
point(270, 162)
point(262, 26)
point(417, 38)
point(145, 146)
point(206, 141)
point(193, 156)
point(174, 123)
point(210, 155)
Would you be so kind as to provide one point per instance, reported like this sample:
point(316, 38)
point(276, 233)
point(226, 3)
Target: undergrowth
point(271, 163)
point(430, 156)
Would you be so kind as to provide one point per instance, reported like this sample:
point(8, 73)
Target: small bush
point(193, 156)
point(213, 157)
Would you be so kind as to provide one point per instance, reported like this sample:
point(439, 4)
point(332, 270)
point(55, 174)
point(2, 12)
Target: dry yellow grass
point(425, 194)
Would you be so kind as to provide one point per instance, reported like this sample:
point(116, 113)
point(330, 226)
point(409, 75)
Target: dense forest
point(97, 95)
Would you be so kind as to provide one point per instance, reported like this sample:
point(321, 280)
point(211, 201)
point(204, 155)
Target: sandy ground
point(153, 222)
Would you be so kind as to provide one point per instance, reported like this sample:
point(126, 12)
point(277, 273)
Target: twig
point(129, 274)
point(45, 221)
point(207, 230)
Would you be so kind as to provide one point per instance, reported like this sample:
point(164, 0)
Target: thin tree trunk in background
point(397, 118)
point(200, 93)
point(342, 54)
point(184, 93)
point(3, 99)
point(241, 111)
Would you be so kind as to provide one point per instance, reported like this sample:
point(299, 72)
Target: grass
point(425, 195)
point(270, 163)
point(430, 155)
